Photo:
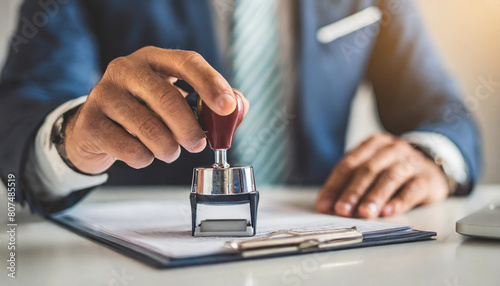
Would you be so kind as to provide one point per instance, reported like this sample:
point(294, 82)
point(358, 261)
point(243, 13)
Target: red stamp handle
point(220, 129)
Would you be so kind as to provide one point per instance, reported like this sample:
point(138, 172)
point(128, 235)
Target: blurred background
point(467, 33)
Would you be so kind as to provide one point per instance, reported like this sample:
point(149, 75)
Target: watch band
point(440, 162)
point(58, 138)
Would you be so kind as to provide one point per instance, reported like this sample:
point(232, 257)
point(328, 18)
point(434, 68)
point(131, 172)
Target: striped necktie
point(262, 138)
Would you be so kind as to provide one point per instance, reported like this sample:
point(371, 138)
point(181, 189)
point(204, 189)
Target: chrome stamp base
point(223, 186)
point(223, 181)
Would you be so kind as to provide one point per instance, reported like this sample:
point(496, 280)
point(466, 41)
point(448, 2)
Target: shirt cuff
point(54, 174)
point(453, 161)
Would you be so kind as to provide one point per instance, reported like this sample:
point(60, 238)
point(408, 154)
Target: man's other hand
point(383, 176)
point(136, 113)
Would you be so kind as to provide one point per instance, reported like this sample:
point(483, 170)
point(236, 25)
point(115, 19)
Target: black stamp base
point(232, 199)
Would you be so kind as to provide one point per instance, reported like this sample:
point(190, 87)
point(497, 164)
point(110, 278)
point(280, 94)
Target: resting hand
point(383, 176)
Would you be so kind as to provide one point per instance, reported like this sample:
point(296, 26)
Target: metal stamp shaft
point(221, 159)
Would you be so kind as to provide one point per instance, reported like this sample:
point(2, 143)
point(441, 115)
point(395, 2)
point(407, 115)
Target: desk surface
point(50, 255)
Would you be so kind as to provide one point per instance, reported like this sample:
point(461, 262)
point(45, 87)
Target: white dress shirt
point(51, 171)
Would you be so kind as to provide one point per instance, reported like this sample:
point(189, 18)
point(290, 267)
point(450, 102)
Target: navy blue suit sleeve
point(414, 91)
point(52, 58)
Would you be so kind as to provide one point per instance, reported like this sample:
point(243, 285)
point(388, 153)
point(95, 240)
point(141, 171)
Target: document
point(161, 230)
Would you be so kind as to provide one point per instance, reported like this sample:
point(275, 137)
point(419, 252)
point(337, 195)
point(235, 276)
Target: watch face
point(439, 160)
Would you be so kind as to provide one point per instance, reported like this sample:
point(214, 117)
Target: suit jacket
point(52, 61)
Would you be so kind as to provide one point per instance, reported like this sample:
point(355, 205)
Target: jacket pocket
point(348, 25)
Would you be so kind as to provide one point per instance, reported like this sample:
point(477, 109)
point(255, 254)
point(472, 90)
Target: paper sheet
point(165, 226)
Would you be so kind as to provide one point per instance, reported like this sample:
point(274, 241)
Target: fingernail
point(325, 206)
point(176, 155)
point(388, 210)
point(200, 145)
point(371, 208)
point(344, 208)
point(225, 101)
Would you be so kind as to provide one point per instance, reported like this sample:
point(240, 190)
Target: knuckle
point(98, 126)
point(166, 98)
point(92, 123)
point(118, 64)
point(192, 55)
point(151, 129)
point(119, 69)
point(107, 98)
point(415, 161)
point(191, 59)
point(92, 133)
point(400, 144)
point(145, 49)
point(377, 136)
point(371, 167)
point(372, 139)
point(347, 165)
point(98, 93)
point(144, 53)
point(407, 168)
point(216, 82)
point(104, 127)
point(343, 169)
point(395, 173)
point(386, 136)
point(380, 137)
point(137, 156)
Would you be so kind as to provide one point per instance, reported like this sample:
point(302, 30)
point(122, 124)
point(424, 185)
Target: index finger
point(194, 69)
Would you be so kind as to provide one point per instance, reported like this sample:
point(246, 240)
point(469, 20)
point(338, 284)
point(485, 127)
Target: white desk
point(51, 255)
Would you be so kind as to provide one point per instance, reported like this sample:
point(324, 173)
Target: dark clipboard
point(163, 262)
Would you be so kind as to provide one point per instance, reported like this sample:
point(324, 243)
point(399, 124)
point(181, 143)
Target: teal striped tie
point(261, 140)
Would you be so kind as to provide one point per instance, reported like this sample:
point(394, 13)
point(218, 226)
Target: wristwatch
point(441, 163)
point(58, 137)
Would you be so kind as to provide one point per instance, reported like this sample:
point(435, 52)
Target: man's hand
point(383, 176)
point(135, 113)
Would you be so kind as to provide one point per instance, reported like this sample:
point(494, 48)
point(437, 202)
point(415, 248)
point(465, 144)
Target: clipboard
point(273, 244)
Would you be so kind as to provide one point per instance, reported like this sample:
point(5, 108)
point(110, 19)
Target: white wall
point(468, 35)
point(8, 14)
